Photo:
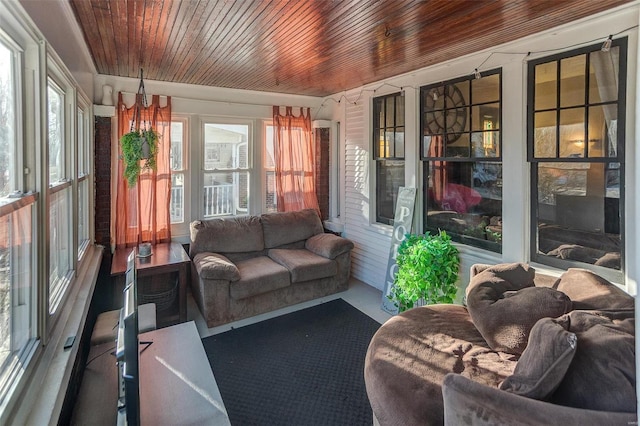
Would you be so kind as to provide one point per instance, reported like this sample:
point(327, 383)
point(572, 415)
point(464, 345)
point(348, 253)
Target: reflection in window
point(575, 135)
point(7, 120)
point(461, 150)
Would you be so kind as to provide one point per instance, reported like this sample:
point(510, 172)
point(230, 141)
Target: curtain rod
point(223, 102)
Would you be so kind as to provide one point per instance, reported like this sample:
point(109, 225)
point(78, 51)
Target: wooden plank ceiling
point(312, 47)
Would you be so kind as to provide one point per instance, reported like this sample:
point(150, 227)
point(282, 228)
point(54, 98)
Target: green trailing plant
point(134, 156)
point(427, 271)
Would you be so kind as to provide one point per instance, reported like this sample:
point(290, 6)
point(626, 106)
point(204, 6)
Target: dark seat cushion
point(257, 276)
point(544, 362)
point(590, 291)
point(602, 375)
point(505, 306)
point(304, 265)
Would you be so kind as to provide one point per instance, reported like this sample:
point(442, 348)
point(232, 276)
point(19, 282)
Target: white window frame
point(182, 228)
point(249, 170)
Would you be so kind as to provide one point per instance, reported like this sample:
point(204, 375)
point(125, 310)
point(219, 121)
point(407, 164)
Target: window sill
point(44, 392)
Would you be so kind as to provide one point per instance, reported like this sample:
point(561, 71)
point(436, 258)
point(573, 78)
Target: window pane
point(485, 144)
point(389, 179)
point(572, 132)
point(546, 86)
point(7, 121)
point(225, 193)
point(225, 146)
point(603, 122)
point(177, 132)
point(390, 111)
point(465, 199)
point(16, 285)
point(399, 110)
point(399, 142)
point(544, 134)
point(603, 78)
point(176, 208)
point(486, 89)
point(579, 212)
point(270, 192)
point(457, 120)
point(83, 215)
point(457, 94)
point(56, 124)
point(458, 145)
point(433, 98)
point(59, 246)
point(572, 81)
point(485, 117)
point(82, 168)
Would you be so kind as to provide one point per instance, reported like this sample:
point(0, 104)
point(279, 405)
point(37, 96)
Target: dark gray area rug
point(302, 368)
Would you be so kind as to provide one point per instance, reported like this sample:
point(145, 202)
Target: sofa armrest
point(469, 403)
point(215, 266)
point(328, 245)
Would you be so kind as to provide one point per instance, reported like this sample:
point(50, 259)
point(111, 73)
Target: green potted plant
point(139, 150)
point(427, 271)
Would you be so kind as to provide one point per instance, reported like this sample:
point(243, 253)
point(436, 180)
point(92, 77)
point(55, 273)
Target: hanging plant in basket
point(139, 150)
point(140, 145)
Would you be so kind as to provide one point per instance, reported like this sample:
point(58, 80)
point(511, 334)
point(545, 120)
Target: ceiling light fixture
point(606, 46)
point(477, 74)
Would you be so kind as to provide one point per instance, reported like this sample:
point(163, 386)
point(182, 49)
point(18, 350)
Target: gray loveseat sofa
point(528, 349)
point(244, 266)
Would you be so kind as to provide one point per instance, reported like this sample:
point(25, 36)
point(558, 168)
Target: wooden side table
point(165, 258)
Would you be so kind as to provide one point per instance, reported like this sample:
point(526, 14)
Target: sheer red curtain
point(142, 212)
point(294, 151)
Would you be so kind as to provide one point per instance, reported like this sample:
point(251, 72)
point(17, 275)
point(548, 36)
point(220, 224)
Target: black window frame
point(494, 246)
point(379, 103)
point(617, 161)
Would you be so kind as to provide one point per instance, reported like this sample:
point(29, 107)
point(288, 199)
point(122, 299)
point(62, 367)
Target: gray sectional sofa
point(244, 266)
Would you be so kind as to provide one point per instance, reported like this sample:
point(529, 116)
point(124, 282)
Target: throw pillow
point(215, 266)
point(590, 291)
point(328, 245)
point(544, 362)
point(504, 313)
point(602, 375)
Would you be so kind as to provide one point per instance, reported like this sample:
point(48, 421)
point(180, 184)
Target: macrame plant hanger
point(137, 124)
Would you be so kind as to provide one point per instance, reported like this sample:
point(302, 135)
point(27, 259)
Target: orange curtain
point(142, 212)
point(295, 158)
point(439, 172)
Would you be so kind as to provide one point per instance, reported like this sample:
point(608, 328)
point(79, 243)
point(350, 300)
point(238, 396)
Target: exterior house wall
point(354, 111)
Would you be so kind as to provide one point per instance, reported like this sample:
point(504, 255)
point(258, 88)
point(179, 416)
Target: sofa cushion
point(328, 245)
point(590, 291)
point(215, 266)
point(544, 362)
point(602, 375)
point(304, 265)
point(505, 312)
point(257, 276)
point(226, 235)
point(288, 227)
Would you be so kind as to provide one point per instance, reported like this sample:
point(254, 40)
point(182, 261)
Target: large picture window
point(388, 153)
point(226, 168)
point(462, 159)
point(576, 148)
